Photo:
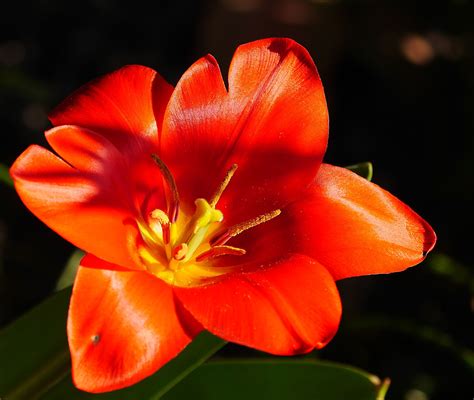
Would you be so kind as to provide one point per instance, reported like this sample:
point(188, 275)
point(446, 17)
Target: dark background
point(399, 80)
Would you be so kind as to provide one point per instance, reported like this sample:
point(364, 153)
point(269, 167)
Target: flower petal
point(87, 207)
point(351, 226)
point(121, 105)
point(136, 180)
point(122, 327)
point(272, 122)
point(291, 306)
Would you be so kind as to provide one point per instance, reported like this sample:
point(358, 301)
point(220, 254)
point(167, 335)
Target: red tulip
point(206, 206)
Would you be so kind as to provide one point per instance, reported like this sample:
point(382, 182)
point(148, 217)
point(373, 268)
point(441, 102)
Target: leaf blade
point(277, 378)
point(35, 362)
point(155, 386)
point(34, 349)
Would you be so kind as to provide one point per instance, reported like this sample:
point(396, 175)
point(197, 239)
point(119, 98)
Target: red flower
point(207, 207)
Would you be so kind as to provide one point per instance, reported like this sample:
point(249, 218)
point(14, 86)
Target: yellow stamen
point(168, 176)
point(205, 214)
point(243, 226)
point(168, 276)
point(148, 235)
point(161, 216)
point(164, 221)
point(217, 251)
point(228, 176)
point(146, 256)
point(151, 261)
point(177, 250)
point(203, 217)
point(180, 251)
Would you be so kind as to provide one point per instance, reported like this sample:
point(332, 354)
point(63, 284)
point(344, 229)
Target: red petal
point(136, 180)
point(351, 226)
point(89, 208)
point(91, 261)
point(122, 327)
point(120, 105)
point(272, 122)
point(289, 307)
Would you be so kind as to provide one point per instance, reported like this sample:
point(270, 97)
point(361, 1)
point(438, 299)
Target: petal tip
point(59, 115)
point(430, 238)
point(24, 160)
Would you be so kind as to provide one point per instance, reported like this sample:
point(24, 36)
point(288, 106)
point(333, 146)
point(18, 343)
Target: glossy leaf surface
point(277, 379)
point(70, 270)
point(34, 351)
point(203, 347)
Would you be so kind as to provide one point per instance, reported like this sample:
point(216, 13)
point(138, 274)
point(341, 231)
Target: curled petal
point(351, 226)
point(272, 121)
point(121, 105)
point(87, 207)
point(122, 327)
point(125, 107)
point(288, 307)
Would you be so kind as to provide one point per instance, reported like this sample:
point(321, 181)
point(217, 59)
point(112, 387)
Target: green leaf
point(154, 387)
point(364, 169)
point(5, 175)
point(69, 272)
point(448, 268)
point(278, 379)
point(34, 352)
point(417, 330)
point(35, 361)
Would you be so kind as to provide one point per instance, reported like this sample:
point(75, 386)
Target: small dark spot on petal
point(425, 253)
point(95, 339)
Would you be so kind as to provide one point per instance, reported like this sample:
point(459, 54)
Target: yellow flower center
point(177, 246)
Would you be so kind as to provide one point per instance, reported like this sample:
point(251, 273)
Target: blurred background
point(399, 80)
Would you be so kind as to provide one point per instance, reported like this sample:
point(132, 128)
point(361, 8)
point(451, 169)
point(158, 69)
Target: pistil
point(204, 216)
point(178, 252)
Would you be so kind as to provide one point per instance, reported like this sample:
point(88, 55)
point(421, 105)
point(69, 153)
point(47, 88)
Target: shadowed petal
point(121, 105)
point(272, 122)
point(122, 327)
point(288, 307)
point(87, 207)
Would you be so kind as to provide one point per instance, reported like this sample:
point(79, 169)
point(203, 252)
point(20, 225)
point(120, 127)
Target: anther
point(180, 251)
point(217, 251)
point(218, 193)
point(164, 221)
point(168, 177)
point(235, 230)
